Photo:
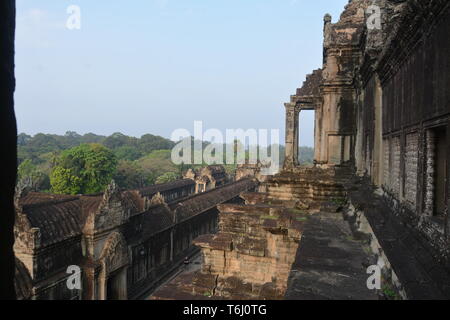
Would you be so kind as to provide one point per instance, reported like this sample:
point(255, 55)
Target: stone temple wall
point(251, 255)
point(383, 106)
point(383, 111)
point(412, 72)
point(254, 243)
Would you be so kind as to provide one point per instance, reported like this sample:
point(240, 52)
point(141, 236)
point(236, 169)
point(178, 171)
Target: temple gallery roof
point(162, 216)
point(204, 201)
point(57, 217)
point(62, 217)
point(148, 223)
point(210, 173)
point(154, 189)
point(215, 171)
point(311, 85)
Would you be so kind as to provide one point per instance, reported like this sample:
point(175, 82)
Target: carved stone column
point(89, 280)
point(291, 143)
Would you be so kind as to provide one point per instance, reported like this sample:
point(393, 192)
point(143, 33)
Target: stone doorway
point(306, 137)
point(113, 276)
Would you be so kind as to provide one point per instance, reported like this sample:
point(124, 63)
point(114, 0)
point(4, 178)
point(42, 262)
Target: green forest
point(85, 164)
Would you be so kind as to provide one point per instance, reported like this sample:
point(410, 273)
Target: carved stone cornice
point(306, 103)
point(418, 20)
point(292, 107)
point(338, 87)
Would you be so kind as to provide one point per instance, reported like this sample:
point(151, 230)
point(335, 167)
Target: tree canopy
point(85, 169)
point(71, 166)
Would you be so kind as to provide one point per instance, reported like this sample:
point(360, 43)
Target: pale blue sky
point(153, 66)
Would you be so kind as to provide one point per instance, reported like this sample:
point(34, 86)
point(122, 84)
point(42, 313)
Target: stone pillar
point(377, 170)
point(102, 288)
point(292, 130)
point(89, 280)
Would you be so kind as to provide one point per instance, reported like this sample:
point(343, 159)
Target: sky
point(154, 66)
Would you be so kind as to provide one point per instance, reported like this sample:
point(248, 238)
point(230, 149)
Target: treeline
point(85, 164)
point(74, 163)
point(306, 155)
point(124, 147)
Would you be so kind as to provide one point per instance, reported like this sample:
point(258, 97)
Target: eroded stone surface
point(272, 248)
point(251, 255)
point(330, 263)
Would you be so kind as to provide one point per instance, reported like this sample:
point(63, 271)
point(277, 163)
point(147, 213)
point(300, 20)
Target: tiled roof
point(58, 218)
point(152, 190)
point(204, 201)
point(34, 198)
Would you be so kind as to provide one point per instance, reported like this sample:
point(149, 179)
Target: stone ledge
point(330, 263)
point(407, 258)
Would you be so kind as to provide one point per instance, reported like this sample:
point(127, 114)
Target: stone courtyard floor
point(330, 263)
point(191, 268)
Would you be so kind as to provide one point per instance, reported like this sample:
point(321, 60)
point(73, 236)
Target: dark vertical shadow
point(8, 159)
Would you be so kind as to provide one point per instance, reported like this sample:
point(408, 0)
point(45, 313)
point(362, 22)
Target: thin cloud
point(162, 3)
point(34, 28)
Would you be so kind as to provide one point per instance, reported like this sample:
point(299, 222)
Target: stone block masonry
point(408, 263)
point(249, 258)
point(255, 243)
point(382, 112)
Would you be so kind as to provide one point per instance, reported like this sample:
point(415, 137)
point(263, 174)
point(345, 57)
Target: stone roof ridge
point(311, 84)
point(215, 168)
point(112, 191)
point(23, 187)
point(354, 11)
point(348, 30)
point(49, 202)
point(216, 189)
point(157, 199)
point(212, 197)
point(153, 189)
